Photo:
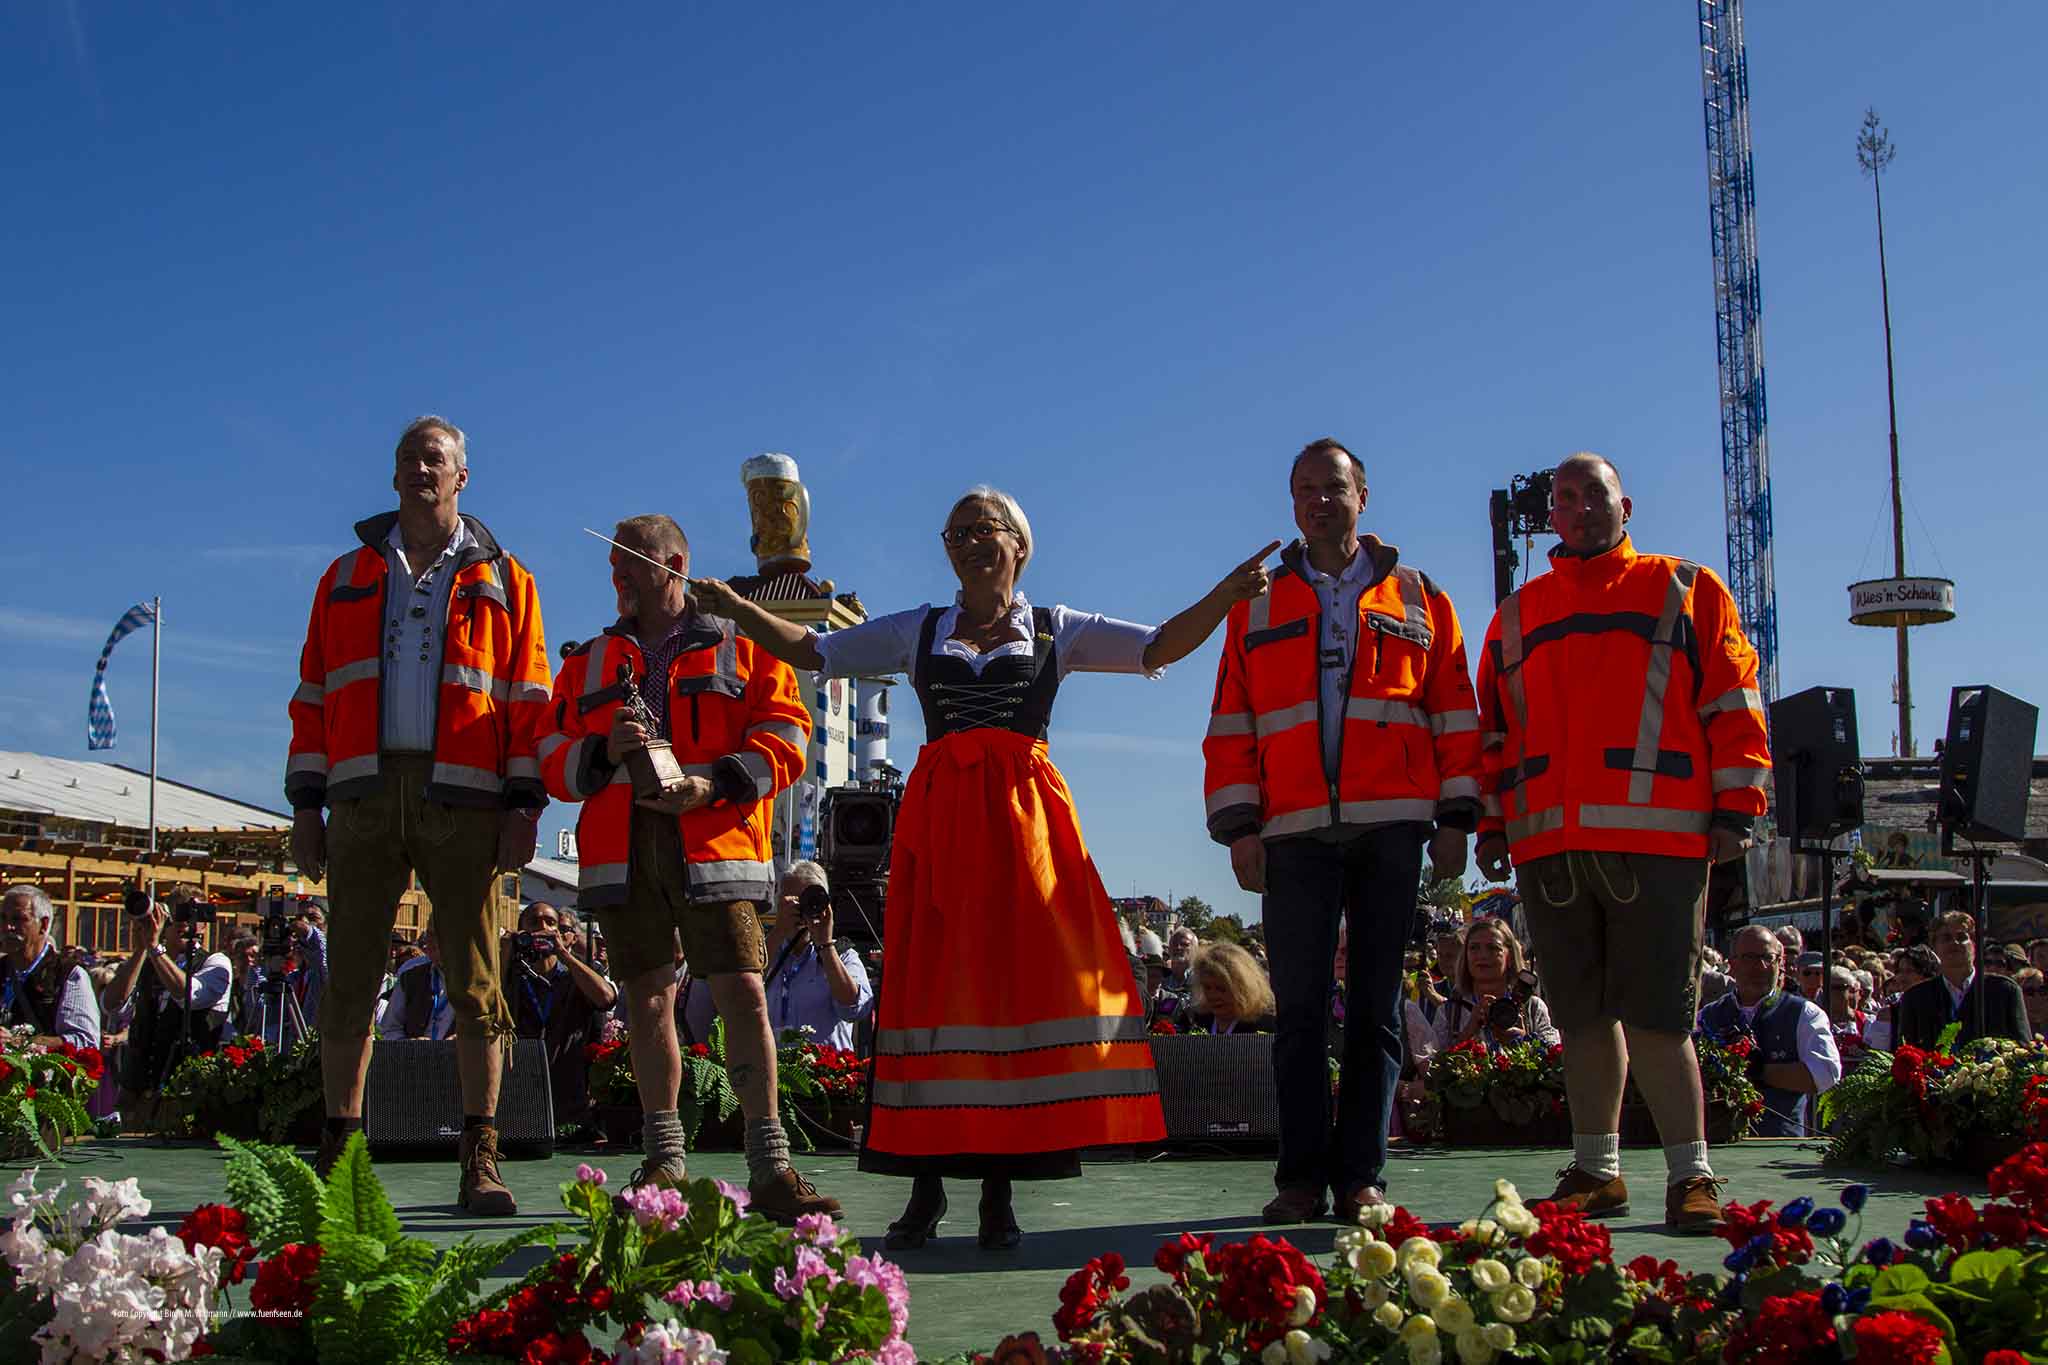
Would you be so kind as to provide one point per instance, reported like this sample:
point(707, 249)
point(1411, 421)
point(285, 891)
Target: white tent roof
point(107, 793)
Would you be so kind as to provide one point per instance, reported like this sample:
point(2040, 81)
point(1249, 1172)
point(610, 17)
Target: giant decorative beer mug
point(780, 508)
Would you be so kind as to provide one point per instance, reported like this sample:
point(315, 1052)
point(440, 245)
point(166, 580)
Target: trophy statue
point(656, 774)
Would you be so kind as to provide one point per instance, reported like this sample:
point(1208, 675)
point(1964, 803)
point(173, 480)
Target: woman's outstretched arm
point(786, 640)
point(1184, 634)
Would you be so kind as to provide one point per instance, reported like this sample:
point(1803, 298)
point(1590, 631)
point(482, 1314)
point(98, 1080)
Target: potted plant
point(1507, 1097)
point(43, 1092)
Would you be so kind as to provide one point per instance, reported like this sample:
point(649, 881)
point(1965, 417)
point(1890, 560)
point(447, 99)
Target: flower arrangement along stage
point(43, 1093)
point(1540, 1284)
point(808, 1080)
point(245, 1089)
point(667, 1275)
point(1516, 1095)
point(1940, 1105)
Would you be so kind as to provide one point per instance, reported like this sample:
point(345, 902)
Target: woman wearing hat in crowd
point(1009, 1034)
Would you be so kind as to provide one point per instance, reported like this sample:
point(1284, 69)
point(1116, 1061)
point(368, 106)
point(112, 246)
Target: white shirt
point(415, 633)
point(1338, 594)
point(211, 991)
point(440, 1022)
point(1082, 641)
point(1815, 1038)
point(1956, 993)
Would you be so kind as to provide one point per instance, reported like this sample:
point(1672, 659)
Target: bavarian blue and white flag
point(99, 712)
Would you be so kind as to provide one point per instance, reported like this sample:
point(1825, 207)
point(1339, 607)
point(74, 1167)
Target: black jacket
point(1923, 1012)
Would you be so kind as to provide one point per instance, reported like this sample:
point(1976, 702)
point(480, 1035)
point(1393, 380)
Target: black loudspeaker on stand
point(1818, 772)
point(1987, 763)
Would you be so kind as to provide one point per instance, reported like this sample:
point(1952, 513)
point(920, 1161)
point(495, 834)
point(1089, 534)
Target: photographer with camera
point(556, 996)
point(813, 983)
point(152, 997)
point(1494, 997)
point(39, 985)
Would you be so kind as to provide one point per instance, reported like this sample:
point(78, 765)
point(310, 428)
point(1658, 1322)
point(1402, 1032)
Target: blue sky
point(1121, 259)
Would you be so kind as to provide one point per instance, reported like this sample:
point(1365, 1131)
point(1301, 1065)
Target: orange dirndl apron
point(1009, 1026)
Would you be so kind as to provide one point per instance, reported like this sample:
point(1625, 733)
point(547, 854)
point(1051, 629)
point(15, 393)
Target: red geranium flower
point(1172, 1257)
point(1895, 1338)
point(285, 1283)
point(1664, 1276)
point(1569, 1238)
point(29, 1092)
point(1259, 1279)
point(2003, 1356)
point(1402, 1226)
point(699, 1050)
point(1788, 1330)
point(1086, 1291)
point(557, 1348)
point(1955, 1218)
point(220, 1225)
point(1741, 1224)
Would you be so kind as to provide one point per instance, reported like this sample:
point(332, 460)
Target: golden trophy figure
point(653, 768)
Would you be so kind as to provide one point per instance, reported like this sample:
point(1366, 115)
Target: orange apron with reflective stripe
point(1009, 1023)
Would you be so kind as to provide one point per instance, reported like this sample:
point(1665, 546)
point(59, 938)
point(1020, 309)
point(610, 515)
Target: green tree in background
point(1195, 913)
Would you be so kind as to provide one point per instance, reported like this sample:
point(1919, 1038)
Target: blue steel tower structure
point(1738, 331)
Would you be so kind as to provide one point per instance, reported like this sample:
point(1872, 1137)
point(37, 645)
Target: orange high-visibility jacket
point(1411, 729)
point(735, 716)
point(494, 680)
point(1621, 712)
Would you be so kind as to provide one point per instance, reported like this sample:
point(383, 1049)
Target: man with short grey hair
point(812, 982)
point(36, 987)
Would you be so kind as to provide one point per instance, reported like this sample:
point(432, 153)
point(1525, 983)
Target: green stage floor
point(963, 1298)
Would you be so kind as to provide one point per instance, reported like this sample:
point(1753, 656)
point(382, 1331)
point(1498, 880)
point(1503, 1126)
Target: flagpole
point(156, 650)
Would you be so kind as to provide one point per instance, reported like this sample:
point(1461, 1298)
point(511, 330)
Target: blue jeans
point(1372, 881)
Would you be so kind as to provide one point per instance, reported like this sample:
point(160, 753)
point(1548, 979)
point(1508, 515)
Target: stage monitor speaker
point(1217, 1089)
point(1815, 763)
point(413, 1100)
point(1987, 764)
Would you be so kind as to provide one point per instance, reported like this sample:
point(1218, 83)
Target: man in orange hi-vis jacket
point(1342, 738)
point(1625, 752)
point(423, 678)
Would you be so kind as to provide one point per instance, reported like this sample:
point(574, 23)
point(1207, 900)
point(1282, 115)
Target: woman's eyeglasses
point(983, 529)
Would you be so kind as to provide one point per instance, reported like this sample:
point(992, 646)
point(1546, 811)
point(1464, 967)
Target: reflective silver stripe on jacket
point(1284, 718)
point(1020, 1092)
point(591, 876)
point(530, 691)
point(1459, 788)
point(1077, 1031)
point(528, 768)
point(1382, 710)
point(1228, 724)
point(359, 671)
point(462, 775)
point(1236, 794)
point(1658, 818)
point(476, 680)
point(1453, 722)
point(1535, 822)
point(306, 763)
point(779, 729)
point(349, 769)
point(1729, 779)
point(1656, 681)
point(310, 694)
point(1511, 658)
point(1734, 699)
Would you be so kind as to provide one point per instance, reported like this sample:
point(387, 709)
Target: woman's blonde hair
point(1511, 949)
point(1238, 972)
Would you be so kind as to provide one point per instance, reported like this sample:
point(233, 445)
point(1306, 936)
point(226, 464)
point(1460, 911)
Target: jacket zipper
point(1350, 673)
point(693, 717)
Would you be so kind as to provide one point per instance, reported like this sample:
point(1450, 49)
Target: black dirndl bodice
point(1011, 693)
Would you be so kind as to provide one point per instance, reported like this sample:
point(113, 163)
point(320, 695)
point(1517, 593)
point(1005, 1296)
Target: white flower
point(1418, 1334)
point(1304, 1306)
point(1499, 1336)
point(1489, 1275)
point(1375, 1216)
point(1420, 1251)
point(1506, 1192)
point(1514, 1304)
point(1302, 1349)
point(1517, 1221)
point(1473, 1347)
point(1376, 1293)
point(1376, 1259)
point(1274, 1354)
point(1453, 1315)
point(1428, 1287)
point(1531, 1272)
point(1351, 1239)
point(1388, 1315)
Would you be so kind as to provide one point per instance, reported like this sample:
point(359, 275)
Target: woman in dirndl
point(1009, 1034)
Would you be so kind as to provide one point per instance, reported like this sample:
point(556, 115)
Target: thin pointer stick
point(636, 554)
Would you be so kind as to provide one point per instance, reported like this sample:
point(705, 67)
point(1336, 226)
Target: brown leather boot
point(483, 1193)
point(1589, 1194)
point(1294, 1204)
point(663, 1175)
point(786, 1196)
point(1694, 1205)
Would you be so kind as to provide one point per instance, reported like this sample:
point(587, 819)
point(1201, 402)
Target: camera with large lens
point(136, 902)
point(531, 946)
point(1506, 1011)
point(813, 903)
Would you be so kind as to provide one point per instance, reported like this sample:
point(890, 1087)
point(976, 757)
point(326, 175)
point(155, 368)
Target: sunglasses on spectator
point(984, 529)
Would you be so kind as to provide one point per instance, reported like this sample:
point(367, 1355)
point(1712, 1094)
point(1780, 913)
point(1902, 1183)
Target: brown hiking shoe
point(1694, 1205)
point(786, 1196)
point(483, 1193)
point(663, 1175)
point(1295, 1204)
point(1588, 1194)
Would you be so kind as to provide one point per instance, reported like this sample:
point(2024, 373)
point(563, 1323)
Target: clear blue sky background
point(1122, 259)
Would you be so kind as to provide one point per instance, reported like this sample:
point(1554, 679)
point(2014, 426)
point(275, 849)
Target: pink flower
point(587, 1174)
point(739, 1197)
point(703, 1291)
point(656, 1207)
point(818, 1229)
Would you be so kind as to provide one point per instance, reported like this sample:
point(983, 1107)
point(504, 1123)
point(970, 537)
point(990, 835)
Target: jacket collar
point(1600, 568)
point(1294, 558)
point(698, 630)
point(374, 531)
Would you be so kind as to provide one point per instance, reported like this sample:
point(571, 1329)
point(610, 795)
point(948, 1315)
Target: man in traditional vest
point(36, 987)
point(1795, 1053)
point(417, 1006)
point(1625, 753)
point(423, 677)
point(1343, 738)
point(699, 864)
